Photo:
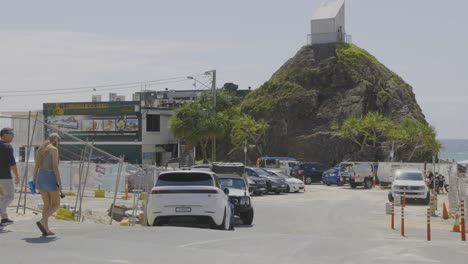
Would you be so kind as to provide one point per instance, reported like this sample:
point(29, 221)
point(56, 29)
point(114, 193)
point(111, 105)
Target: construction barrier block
point(99, 193)
point(69, 193)
point(64, 214)
point(141, 218)
point(125, 222)
point(143, 196)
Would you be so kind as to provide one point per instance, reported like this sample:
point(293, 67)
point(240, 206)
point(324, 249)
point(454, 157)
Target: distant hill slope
point(322, 85)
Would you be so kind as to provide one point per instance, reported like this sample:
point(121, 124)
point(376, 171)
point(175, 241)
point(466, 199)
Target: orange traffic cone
point(445, 215)
point(456, 225)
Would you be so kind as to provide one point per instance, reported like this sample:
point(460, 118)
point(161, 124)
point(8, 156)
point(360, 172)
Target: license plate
point(183, 209)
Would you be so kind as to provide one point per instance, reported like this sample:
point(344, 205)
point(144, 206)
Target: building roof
point(328, 9)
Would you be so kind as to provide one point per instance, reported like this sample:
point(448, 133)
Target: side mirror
point(226, 191)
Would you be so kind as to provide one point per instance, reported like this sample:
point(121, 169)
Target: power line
point(100, 86)
point(94, 89)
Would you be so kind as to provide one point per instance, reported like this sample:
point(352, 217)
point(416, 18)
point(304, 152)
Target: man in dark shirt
point(7, 164)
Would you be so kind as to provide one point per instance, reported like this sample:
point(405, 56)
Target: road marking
point(117, 261)
point(212, 241)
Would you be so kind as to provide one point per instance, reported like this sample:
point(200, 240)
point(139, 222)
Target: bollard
point(428, 224)
point(462, 220)
point(402, 221)
point(404, 199)
point(393, 217)
point(126, 189)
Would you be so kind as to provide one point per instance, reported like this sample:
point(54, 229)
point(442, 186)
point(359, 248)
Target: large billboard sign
point(100, 121)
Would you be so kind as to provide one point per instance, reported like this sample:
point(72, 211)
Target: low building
point(137, 130)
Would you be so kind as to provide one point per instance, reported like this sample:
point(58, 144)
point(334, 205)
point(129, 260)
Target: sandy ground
point(94, 210)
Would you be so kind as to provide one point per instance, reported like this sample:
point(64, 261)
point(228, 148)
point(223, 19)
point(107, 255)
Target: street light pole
point(245, 155)
point(213, 88)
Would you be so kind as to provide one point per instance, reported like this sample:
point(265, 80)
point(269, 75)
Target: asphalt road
point(323, 225)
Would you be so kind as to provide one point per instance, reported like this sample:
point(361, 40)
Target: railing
point(331, 37)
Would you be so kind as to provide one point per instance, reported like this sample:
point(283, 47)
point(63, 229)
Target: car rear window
point(185, 179)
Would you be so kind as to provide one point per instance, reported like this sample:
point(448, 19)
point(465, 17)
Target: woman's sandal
point(41, 227)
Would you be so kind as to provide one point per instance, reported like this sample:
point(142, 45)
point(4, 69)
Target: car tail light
point(300, 172)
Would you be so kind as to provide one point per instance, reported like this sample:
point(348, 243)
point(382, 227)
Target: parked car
point(293, 184)
point(308, 171)
point(283, 163)
point(193, 197)
point(273, 184)
point(331, 176)
point(233, 177)
point(411, 183)
point(252, 186)
point(238, 196)
point(239, 168)
point(359, 173)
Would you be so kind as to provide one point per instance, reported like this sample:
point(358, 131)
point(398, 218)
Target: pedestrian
point(7, 164)
point(431, 181)
point(47, 179)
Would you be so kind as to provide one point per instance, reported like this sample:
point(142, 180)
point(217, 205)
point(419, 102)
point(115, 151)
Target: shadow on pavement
point(40, 240)
point(4, 231)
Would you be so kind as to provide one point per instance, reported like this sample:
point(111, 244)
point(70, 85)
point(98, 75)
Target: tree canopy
point(375, 131)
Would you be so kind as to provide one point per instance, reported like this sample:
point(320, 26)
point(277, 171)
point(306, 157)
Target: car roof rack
point(226, 167)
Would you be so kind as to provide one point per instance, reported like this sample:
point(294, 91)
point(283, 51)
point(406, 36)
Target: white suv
point(192, 197)
point(410, 182)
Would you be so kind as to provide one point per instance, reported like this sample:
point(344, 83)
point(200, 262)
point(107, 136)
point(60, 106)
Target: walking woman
point(48, 180)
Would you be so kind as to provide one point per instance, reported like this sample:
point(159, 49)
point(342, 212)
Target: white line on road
point(212, 241)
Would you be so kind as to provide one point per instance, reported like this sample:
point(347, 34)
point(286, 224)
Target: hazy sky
point(59, 44)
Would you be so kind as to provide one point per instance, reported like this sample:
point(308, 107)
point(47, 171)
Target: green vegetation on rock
point(351, 54)
point(261, 101)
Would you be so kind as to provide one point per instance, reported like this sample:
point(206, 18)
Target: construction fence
point(96, 186)
point(458, 188)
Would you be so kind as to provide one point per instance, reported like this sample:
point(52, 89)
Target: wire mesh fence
point(98, 187)
point(458, 188)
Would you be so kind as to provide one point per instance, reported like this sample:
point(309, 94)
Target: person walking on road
point(47, 179)
point(7, 165)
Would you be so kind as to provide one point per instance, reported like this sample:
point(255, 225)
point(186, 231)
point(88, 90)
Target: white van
point(358, 173)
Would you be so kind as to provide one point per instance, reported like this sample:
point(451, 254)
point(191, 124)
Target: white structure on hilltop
point(328, 23)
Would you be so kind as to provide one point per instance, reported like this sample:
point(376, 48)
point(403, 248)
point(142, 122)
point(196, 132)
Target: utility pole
point(213, 88)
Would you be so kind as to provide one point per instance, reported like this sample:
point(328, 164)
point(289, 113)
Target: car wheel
point(390, 197)
point(247, 217)
point(288, 189)
point(353, 185)
point(222, 226)
point(158, 223)
point(308, 180)
point(340, 183)
point(367, 183)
